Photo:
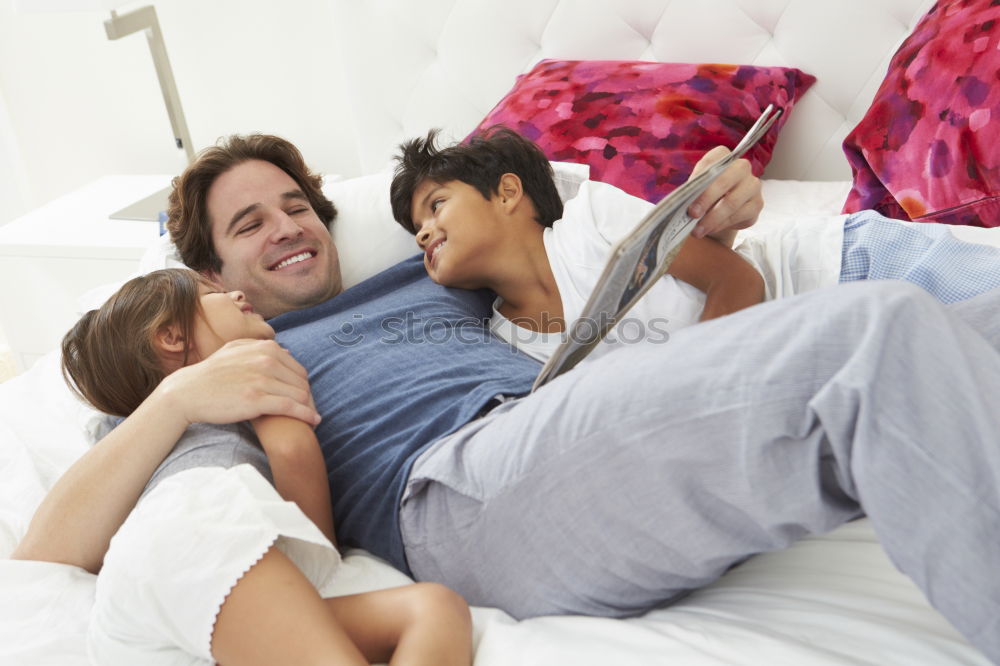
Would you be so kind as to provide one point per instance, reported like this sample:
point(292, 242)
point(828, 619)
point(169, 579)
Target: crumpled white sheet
point(830, 601)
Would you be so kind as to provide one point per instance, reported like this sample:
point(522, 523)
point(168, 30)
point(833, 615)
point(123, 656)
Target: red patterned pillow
point(642, 126)
point(927, 149)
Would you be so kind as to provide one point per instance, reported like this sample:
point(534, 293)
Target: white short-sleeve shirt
point(594, 218)
point(792, 259)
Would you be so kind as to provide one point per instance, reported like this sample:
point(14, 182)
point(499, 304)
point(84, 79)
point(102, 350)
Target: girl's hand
point(732, 202)
point(242, 380)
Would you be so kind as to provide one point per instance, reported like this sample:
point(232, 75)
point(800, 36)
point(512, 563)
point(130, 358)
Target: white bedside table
point(55, 254)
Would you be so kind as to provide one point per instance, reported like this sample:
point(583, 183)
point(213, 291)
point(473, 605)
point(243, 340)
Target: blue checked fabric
point(879, 248)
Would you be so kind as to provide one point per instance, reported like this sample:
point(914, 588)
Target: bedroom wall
point(12, 183)
point(81, 106)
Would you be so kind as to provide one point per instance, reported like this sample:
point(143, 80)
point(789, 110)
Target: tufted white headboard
point(413, 65)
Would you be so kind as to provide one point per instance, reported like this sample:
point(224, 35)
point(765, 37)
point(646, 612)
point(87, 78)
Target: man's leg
point(878, 248)
point(980, 313)
point(654, 469)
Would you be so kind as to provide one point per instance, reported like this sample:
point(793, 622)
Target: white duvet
point(834, 599)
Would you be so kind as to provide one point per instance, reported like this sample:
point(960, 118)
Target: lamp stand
point(117, 27)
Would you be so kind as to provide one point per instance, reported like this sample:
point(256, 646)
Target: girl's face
point(226, 316)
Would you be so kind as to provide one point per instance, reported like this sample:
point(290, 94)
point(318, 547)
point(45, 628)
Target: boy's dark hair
point(480, 162)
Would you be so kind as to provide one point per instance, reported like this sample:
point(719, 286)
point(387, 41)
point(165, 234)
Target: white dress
point(189, 540)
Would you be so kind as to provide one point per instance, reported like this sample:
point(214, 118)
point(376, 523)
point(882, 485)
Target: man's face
point(272, 244)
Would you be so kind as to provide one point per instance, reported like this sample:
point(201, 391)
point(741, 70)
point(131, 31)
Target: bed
point(833, 599)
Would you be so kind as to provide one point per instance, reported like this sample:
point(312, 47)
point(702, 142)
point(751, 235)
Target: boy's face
point(457, 229)
point(272, 244)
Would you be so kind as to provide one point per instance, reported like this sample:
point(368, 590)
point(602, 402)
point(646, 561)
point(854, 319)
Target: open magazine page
point(642, 257)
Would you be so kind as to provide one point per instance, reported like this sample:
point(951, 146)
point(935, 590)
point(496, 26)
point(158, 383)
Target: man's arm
point(76, 520)
point(298, 467)
point(730, 283)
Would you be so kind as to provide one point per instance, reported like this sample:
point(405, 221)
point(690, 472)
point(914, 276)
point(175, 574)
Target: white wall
point(12, 203)
point(13, 184)
point(81, 106)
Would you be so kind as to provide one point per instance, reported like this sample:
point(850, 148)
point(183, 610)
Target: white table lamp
point(118, 26)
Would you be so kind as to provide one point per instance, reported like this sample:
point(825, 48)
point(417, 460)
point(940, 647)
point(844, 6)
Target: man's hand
point(732, 202)
point(241, 381)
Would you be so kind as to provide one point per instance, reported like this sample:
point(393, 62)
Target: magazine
point(641, 258)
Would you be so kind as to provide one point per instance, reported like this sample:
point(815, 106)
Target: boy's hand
point(732, 202)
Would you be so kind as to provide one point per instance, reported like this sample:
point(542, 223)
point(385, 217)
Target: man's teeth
point(293, 260)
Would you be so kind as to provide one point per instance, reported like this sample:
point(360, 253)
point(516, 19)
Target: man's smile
point(293, 259)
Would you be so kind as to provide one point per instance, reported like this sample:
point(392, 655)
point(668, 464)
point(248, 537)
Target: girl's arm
point(298, 467)
point(730, 283)
point(76, 520)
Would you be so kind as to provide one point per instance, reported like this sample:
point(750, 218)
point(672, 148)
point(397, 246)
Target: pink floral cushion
point(642, 126)
point(927, 149)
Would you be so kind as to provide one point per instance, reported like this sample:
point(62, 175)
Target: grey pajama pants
point(652, 470)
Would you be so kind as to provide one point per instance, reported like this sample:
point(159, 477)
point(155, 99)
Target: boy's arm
point(86, 506)
point(730, 283)
point(732, 202)
point(298, 467)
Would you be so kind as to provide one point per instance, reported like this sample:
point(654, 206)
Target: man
point(619, 485)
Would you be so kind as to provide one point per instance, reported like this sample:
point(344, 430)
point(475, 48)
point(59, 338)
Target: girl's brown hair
point(109, 358)
point(187, 212)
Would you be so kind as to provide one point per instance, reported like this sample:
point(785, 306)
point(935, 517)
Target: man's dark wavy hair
point(479, 162)
point(187, 209)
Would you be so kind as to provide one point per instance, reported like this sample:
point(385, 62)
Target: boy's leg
point(878, 248)
point(651, 471)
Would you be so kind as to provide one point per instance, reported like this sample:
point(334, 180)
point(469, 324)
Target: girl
point(214, 564)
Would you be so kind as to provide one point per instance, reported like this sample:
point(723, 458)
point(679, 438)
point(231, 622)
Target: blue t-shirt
point(395, 363)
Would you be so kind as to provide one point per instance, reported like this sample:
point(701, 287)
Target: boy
point(474, 209)
point(487, 215)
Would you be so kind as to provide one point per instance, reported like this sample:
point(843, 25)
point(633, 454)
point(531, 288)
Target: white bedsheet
point(834, 599)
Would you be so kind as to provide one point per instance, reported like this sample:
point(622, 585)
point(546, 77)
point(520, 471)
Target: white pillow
point(161, 254)
point(367, 237)
point(567, 177)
